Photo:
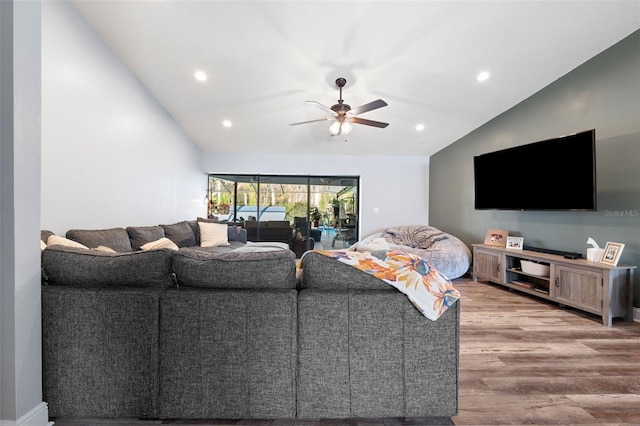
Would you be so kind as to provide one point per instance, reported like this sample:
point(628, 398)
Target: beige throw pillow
point(42, 245)
point(62, 241)
point(161, 243)
point(105, 249)
point(213, 234)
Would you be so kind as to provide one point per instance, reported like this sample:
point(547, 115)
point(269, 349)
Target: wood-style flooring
point(522, 361)
point(527, 361)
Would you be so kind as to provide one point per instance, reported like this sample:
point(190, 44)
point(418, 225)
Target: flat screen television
point(554, 174)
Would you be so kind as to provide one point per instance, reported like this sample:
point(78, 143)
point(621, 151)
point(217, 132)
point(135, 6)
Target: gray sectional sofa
point(198, 333)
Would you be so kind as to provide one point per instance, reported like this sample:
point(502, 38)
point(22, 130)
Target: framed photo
point(611, 253)
point(496, 237)
point(515, 243)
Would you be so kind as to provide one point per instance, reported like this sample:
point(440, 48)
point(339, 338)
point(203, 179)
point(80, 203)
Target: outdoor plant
point(315, 214)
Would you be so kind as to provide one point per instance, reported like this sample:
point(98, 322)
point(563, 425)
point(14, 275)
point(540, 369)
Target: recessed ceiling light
point(483, 76)
point(420, 127)
point(200, 76)
point(226, 123)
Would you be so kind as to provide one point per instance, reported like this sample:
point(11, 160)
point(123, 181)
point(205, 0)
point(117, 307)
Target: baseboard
point(38, 416)
point(636, 314)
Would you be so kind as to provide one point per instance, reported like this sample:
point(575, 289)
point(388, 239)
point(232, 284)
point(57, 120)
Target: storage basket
point(533, 268)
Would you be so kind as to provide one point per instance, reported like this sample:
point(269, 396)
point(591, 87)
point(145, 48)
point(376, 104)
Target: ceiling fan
point(344, 115)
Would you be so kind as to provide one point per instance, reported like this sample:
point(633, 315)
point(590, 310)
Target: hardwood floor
point(522, 361)
point(527, 361)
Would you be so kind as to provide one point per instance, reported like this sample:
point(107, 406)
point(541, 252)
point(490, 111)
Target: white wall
point(20, 319)
point(397, 186)
point(111, 155)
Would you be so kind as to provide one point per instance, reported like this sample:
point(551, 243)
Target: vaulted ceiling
point(264, 59)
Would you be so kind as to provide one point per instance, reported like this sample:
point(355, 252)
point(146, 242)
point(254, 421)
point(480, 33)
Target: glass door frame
point(343, 188)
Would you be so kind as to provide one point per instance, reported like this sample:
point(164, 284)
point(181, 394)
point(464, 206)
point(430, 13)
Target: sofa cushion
point(323, 272)
point(372, 354)
point(115, 238)
point(228, 354)
point(180, 233)
point(140, 235)
point(199, 268)
point(81, 267)
point(278, 224)
point(236, 233)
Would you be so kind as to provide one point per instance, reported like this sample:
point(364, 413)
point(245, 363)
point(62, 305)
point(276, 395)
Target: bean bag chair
point(448, 254)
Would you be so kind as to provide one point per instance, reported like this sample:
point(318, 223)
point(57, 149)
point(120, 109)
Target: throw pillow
point(180, 233)
point(116, 238)
point(62, 241)
point(140, 235)
point(213, 234)
point(45, 234)
point(234, 231)
point(105, 249)
point(161, 243)
point(42, 245)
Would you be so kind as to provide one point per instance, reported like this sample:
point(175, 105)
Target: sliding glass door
point(324, 207)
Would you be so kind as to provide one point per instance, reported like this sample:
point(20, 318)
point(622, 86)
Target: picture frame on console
point(496, 237)
point(611, 253)
point(515, 243)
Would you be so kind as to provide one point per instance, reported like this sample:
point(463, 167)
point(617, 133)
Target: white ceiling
point(264, 59)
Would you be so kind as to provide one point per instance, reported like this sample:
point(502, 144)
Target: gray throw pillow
point(44, 235)
point(141, 235)
point(196, 230)
point(180, 233)
point(114, 238)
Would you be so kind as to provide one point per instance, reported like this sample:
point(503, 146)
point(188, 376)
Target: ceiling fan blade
point(368, 122)
point(322, 107)
point(368, 107)
point(311, 121)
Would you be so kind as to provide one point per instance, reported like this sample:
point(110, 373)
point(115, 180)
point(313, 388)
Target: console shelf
point(592, 287)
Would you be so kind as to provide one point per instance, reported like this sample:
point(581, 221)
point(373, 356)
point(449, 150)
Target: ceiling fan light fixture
point(340, 128)
point(344, 116)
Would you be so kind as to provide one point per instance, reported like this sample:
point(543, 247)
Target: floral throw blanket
point(427, 289)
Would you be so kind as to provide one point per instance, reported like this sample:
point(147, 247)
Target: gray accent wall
point(601, 94)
